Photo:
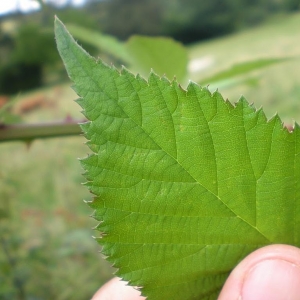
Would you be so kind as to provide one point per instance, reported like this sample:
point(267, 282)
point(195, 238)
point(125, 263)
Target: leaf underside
point(185, 183)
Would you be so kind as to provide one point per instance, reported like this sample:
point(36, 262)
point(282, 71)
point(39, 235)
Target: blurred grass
point(44, 223)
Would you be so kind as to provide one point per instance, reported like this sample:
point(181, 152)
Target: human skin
point(269, 273)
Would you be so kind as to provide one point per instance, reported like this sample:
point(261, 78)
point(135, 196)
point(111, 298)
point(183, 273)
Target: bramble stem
point(28, 132)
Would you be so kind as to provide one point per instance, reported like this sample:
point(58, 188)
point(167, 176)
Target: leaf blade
point(184, 186)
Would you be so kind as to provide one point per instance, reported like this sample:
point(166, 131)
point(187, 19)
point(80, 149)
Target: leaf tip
point(58, 24)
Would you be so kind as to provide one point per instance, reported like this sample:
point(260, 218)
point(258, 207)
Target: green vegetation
point(28, 47)
point(44, 224)
point(186, 21)
point(16, 64)
point(40, 188)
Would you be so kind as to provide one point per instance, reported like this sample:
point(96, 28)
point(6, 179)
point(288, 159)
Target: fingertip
point(243, 280)
point(117, 289)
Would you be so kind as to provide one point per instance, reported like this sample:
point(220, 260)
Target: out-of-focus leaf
point(164, 55)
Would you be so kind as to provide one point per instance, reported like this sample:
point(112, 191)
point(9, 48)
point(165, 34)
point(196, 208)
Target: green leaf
point(164, 55)
point(186, 184)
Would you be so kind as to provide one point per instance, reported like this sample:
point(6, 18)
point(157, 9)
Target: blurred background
point(241, 47)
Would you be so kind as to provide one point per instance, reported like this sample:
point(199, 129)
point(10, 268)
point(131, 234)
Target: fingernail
point(274, 279)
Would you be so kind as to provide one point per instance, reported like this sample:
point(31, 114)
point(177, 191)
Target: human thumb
point(269, 273)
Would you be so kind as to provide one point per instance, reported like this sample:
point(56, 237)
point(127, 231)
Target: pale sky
point(27, 5)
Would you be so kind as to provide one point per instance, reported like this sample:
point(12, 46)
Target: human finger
point(269, 273)
point(116, 289)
